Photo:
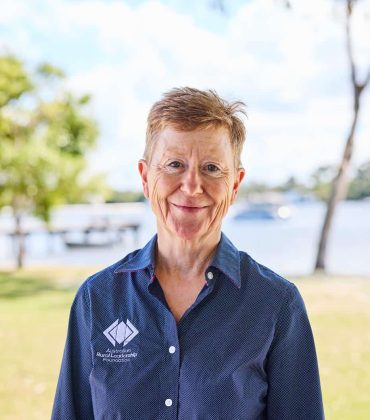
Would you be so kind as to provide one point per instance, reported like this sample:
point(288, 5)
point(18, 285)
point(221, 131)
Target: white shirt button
point(168, 402)
point(210, 275)
point(172, 349)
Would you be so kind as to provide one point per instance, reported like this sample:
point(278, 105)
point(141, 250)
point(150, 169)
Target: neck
point(183, 258)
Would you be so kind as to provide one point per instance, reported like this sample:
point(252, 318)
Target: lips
point(189, 208)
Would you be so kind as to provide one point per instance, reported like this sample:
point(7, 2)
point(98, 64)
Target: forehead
point(210, 141)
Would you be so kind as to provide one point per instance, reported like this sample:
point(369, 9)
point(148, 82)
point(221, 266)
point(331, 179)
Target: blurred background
point(77, 79)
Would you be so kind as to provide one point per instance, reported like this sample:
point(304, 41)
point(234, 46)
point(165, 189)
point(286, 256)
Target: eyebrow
point(171, 151)
point(211, 159)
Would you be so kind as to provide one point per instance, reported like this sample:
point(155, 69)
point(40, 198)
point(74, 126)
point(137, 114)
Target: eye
point(175, 164)
point(212, 168)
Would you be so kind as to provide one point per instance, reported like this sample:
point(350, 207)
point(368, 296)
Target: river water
point(286, 246)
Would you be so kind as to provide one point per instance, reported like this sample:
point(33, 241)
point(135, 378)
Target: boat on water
point(270, 206)
point(263, 211)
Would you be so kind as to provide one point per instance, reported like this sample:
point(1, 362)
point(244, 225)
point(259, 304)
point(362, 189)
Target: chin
point(188, 232)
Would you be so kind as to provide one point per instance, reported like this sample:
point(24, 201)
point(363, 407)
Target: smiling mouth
point(189, 209)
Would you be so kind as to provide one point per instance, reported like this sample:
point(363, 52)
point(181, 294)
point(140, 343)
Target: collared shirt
point(243, 350)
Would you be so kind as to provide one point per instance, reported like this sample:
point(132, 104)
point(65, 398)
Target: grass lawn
point(34, 307)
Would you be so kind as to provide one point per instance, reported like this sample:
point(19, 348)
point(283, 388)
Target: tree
point(14, 81)
point(117, 196)
point(291, 184)
point(340, 185)
point(321, 181)
point(44, 137)
point(359, 187)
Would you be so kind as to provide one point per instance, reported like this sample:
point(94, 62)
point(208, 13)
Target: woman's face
point(191, 180)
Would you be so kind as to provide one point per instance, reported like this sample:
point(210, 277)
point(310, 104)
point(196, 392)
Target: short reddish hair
point(187, 109)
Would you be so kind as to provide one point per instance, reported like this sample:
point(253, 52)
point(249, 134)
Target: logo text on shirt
point(120, 332)
point(116, 355)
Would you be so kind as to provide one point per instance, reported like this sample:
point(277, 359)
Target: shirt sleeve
point(294, 390)
point(73, 395)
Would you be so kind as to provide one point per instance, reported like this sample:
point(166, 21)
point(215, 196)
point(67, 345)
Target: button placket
point(171, 367)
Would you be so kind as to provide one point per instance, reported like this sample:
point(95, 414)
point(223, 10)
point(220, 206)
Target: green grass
point(339, 310)
point(33, 318)
point(34, 307)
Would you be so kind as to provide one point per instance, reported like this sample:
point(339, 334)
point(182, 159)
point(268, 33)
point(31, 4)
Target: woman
point(189, 327)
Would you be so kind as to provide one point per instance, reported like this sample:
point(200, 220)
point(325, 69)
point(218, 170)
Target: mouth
point(189, 209)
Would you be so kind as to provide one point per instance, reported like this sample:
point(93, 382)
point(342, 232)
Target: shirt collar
point(226, 259)
point(143, 259)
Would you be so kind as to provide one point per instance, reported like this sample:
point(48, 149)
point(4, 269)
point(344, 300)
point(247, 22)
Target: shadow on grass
point(14, 286)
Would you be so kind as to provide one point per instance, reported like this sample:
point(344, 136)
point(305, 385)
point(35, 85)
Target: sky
point(288, 65)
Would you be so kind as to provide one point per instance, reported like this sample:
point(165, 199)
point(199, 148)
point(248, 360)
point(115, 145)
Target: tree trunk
point(19, 239)
point(339, 187)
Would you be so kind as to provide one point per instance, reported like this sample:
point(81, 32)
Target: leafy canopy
point(45, 135)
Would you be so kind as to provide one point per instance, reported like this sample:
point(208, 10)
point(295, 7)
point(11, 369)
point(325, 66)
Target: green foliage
point(43, 145)
point(291, 184)
point(14, 81)
point(125, 197)
point(321, 181)
point(65, 126)
point(47, 70)
point(359, 187)
point(253, 187)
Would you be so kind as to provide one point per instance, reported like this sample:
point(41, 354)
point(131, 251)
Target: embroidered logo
point(120, 332)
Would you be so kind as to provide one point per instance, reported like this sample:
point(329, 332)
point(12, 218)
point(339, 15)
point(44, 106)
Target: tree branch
point(349, 42)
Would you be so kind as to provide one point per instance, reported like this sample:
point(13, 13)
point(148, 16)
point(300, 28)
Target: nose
point(192, 182)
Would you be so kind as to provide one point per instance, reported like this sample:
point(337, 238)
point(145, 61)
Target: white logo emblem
point(121, 332)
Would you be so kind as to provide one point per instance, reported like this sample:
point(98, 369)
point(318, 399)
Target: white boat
point(263, 207)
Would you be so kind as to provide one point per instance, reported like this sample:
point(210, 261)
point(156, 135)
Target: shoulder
point(263, 275)
point(104, 277)
point(256, 282)
point(264, 284)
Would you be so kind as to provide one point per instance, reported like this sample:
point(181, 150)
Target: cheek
point(159, 188)
point(223, 191)
point(223, 197)
point(154, 190)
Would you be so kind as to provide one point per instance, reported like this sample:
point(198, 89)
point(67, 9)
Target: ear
point(238, 179)
point(143, 170)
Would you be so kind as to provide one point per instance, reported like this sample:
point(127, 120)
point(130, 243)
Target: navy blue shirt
point(243, 350)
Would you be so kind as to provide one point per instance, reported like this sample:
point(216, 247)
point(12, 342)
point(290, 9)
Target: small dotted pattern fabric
point(243, 350)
